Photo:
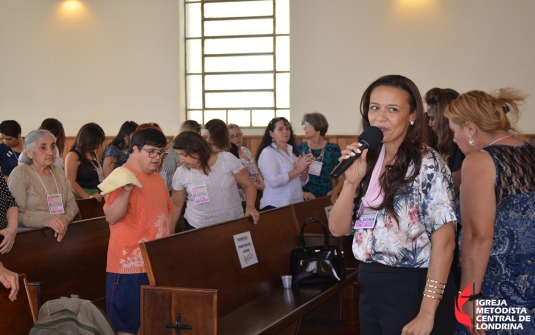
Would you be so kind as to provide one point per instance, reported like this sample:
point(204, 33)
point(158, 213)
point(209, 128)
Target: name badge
point(200, 194)
point(55, 204)
point(252, 168)
point(366, 218)
point(315, 168)
point(100, 174)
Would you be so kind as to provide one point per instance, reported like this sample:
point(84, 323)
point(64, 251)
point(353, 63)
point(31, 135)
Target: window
point(237, 60)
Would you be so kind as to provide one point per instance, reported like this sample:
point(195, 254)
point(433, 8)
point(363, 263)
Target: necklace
point(322, 150)
point(501, 138)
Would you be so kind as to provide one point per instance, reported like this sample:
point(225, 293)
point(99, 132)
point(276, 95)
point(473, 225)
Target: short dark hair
point(126, 129)
point(193, 143)
point(10, 128)
point(318, 121)
point(147, 136)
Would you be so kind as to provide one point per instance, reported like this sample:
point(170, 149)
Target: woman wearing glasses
point(207, 178)
point(325, 157)
point(245, 156)
point(81, 164)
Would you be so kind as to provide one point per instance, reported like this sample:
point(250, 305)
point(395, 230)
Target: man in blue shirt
point(11, 146)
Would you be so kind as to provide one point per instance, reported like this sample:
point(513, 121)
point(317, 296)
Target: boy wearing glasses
point(135, 215)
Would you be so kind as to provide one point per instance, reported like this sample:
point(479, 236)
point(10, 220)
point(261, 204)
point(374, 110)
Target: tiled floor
point(350, 300)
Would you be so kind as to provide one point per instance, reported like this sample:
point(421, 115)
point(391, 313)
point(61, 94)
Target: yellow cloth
point(118, 178)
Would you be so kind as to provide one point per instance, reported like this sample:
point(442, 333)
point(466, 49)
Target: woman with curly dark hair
point(398, 201)
point(284, 171)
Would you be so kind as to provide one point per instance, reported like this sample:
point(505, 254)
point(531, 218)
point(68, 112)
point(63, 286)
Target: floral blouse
point(423, 206)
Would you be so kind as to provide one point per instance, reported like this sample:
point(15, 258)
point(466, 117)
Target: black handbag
point(318, 264)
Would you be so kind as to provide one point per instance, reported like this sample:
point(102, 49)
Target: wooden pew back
point(314, 208)
point(76, 265)
point(89, 209)
point(191, 259)
point(18, 316)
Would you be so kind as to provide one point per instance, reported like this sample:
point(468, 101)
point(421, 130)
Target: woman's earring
point(471, 141)
point(412, 123)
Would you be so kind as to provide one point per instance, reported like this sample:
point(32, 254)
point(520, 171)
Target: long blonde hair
point(490, 113)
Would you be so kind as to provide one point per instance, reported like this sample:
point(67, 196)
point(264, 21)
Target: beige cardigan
point(31, 196)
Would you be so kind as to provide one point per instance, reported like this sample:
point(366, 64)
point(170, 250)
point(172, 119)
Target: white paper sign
point(245, 249)
point(328, 211)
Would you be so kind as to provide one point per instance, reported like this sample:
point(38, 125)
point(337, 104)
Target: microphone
point(370, 139)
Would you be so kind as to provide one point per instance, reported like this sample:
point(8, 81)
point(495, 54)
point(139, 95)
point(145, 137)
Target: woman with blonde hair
point(497, 200)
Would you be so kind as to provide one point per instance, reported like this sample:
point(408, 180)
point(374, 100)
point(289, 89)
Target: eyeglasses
point(306, 124)
point(155, 153)
point(238, 135)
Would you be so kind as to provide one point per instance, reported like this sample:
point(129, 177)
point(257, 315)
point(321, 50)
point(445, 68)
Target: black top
point(515, 168)
point(87, 176)
point(234, 150)
point(456, 158)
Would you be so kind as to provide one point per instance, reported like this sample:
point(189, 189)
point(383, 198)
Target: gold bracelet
point(438, 288)
point(435, 282)
point(430, 296)
point(434, 292)
point(250, 207)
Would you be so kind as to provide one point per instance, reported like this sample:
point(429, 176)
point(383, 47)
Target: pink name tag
point(366, 218)
point(251, 168)
point(200, 194)
point(55, 204)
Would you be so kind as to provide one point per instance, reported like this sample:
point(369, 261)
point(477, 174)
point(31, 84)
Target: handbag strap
point(302, 232)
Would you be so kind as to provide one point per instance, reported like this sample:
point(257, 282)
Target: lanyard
point(55, 181)
point(278, 150)
point(14, 154)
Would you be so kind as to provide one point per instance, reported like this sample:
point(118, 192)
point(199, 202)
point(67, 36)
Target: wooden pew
point(76, 265)
point(198, 274)
point(89, 209)
point(18, 316)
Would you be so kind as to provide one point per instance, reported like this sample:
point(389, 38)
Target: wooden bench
point(76, 265)
point(89, 209)
point(18, 316)
point(199, 275)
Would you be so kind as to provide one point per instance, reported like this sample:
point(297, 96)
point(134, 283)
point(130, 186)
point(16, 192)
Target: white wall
point(115, 60)
point(120, 59)
point(339, 47)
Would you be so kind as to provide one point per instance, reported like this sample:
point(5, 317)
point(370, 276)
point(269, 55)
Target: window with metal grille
point(237, 60)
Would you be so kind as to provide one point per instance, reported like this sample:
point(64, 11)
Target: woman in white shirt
point(284, 171)
point(207, 180)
